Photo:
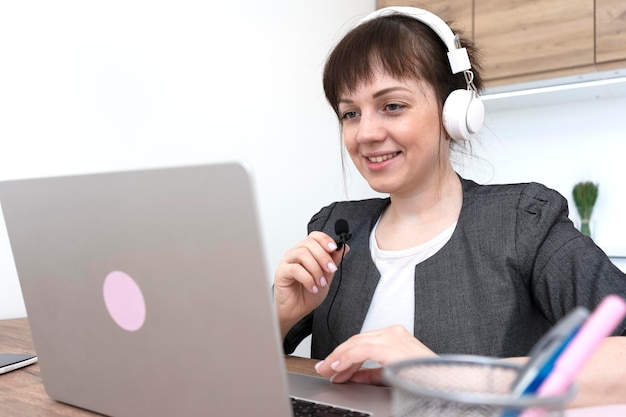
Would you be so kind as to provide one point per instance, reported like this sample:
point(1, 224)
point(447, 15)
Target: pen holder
point(467, 386)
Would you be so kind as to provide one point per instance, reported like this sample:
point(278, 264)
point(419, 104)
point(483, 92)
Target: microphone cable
point(342, 230)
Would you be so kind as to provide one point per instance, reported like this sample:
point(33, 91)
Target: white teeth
point(382, 158)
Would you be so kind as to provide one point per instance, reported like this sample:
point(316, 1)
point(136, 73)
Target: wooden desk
point(22, 393)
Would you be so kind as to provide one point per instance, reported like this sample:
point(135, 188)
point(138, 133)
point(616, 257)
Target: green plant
point(585, 196)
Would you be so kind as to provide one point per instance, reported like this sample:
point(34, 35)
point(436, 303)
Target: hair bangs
point(381, 44)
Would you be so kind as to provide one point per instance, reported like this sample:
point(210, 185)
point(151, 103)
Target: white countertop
point(601, 411)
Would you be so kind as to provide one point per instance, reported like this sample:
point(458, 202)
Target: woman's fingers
point(384, 346)
point(303, 276)
point(299, 266)
point(313, 255)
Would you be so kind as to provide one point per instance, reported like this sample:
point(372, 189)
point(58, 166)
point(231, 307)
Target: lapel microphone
point(343, 231)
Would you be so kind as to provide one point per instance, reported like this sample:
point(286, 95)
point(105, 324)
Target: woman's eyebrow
point(377, 94)
point(389, 90)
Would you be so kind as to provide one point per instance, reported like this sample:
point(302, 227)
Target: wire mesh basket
point(464, 386)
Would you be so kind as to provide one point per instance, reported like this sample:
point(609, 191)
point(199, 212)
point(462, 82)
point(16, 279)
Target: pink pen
point(600, 324)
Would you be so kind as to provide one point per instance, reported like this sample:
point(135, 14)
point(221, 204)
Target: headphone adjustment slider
point(459, 60)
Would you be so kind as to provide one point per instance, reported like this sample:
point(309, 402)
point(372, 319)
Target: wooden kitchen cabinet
point(458, 13)
point(522, 40)
point(521, 37)
point(610, 31)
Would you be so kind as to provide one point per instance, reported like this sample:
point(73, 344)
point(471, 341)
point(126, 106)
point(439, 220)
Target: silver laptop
point(147, 295)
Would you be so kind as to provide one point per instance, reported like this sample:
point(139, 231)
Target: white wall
point(97, 86)
point(579, 138)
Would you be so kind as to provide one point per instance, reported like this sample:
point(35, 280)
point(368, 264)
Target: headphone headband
point(457, 56)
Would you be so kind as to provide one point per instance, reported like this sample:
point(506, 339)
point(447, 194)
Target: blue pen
point(544, 354)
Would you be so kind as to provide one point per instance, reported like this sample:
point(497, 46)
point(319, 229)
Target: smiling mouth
point(382, 158)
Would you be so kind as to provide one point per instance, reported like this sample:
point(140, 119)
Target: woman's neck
point(411, 220)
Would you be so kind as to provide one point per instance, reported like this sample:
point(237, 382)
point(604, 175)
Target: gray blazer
point(514, 265)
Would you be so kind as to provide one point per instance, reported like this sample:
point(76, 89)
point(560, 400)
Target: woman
point(443, 265)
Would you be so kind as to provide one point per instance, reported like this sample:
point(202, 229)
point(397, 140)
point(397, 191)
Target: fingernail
point(315, 289)
point(334, 365)
point(332, 267)
point(323, 282)
point(332, 246)
point(317, 366)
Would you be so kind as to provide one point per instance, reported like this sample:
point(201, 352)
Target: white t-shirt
point(394, 298)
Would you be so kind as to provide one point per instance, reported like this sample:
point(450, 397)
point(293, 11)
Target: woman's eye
point(394, 107)
point(349, 115)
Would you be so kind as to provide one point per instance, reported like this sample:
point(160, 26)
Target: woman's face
point(392, 131)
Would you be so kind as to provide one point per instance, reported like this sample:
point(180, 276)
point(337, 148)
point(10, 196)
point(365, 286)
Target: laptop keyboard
point(305, 408)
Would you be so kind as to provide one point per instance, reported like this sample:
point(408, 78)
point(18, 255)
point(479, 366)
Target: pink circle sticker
point(124, 301)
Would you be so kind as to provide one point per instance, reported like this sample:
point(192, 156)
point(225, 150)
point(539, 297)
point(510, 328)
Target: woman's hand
point(384, 346)
point(303, 277)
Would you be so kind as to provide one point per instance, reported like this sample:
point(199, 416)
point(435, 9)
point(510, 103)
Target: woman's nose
point(371, 128)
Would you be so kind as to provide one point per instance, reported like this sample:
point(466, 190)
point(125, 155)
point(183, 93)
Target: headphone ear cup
point(463, 114)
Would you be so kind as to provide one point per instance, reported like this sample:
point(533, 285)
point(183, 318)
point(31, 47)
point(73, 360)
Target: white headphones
point(463, 111)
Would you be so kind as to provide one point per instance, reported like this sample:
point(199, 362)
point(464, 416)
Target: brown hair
point(404, 47)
